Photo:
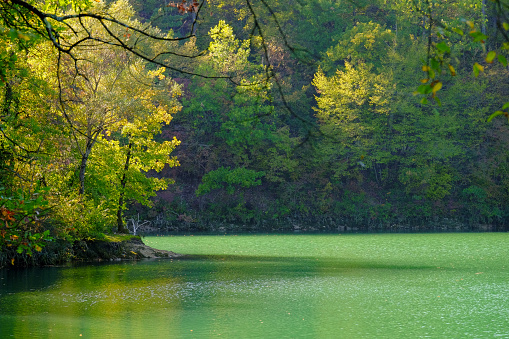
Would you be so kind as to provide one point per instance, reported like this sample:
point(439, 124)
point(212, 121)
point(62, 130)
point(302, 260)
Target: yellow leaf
point(23, 36)
point(470, 24)
point(425, 68)
point(38, 248)
point(491, 55)
point(453, 71)
point(437, 87)
point(479, 67)
point(12, 262)
point(424, 80)
point(506, 26)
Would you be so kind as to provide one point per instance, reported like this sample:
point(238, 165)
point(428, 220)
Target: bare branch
point(67, 47)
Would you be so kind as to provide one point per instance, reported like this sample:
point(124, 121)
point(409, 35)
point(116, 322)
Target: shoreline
point(95, 250)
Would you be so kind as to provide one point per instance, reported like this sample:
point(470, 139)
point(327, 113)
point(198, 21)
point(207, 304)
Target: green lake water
point(273, 286)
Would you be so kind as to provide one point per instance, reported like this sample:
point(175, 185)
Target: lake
point(451, 285)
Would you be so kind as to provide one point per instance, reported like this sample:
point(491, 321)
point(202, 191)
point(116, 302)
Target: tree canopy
point(372, 114)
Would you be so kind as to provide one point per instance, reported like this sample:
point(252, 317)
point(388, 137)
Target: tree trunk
point(194, 23)
point(120, 220)
point(83, 165)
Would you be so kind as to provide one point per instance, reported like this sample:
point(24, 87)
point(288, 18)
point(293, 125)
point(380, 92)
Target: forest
point(249, 115)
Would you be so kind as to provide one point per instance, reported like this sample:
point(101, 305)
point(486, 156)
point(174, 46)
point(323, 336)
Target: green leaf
point(424, 101)
point(496, 114)
point(506, 105)
point(506, 26)
point(491, 55)
point(434, 64)
point(477, 68)
point(424, 89)
point(13, 34)
point(443, 48)
point(457, 30)
point(476, 71)
point(502, 60)
point(478, 36)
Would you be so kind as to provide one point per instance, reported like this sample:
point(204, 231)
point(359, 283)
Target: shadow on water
point(27, 279)
point(36, 279)
point(304, 261)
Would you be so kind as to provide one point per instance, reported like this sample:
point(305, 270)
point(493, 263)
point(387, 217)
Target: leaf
point(424, 101)
point(22, 36)
point(506, 26)
point(470, 24)
point(436, 87)
point(496, 114)
point(502, 60)
point(453, 71)
point(506, 105)
point(477, 68)
point(435, 64)
point(13, 34)
point(424, 80)
point(457, 30)
point(425, 68)
point(443, 48)
point(491, 55)
point(478, 36)
point(424, 89)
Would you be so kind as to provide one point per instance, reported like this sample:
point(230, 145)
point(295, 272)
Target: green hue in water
point(274, 286)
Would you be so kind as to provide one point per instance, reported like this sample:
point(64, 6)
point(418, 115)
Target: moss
point(121, 237)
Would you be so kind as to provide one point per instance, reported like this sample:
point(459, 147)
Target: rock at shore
point(132, 248)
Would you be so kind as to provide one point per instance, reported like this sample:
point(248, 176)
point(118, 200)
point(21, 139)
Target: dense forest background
point(301, 115)
point(358, 148)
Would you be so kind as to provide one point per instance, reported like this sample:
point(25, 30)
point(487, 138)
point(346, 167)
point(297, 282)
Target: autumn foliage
point(183, 7)
point(20, 226)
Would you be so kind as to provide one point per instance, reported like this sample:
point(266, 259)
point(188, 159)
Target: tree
point(134, 150)
point(353, 110)
point(99, 100)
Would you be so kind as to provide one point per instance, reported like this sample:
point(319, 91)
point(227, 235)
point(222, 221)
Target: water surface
point(273, 286)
